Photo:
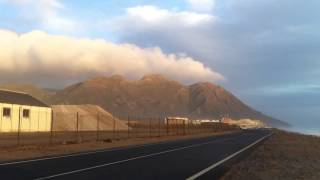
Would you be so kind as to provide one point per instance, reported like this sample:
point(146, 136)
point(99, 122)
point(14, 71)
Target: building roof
point(13, 97)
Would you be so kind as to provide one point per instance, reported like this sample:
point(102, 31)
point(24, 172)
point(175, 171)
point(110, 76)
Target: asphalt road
point(195, 158)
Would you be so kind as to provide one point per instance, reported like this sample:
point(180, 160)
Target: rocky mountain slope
point(155, 95)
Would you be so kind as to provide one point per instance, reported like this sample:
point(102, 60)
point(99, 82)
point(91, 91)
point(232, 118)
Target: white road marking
point(91, 152)
point(195, 176)
point(131, 159)
point(72, 155)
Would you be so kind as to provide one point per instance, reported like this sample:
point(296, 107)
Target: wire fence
point(67, 128)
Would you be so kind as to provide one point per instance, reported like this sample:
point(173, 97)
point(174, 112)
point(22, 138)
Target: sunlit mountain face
point(265, 52)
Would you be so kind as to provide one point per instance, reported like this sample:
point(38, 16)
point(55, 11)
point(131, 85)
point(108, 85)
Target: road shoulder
point(285, 156)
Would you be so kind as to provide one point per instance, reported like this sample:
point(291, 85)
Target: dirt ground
point(285, 156)
point(33, 151)
point(139, 130)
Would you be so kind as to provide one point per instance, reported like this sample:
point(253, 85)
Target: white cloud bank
point(55, 60)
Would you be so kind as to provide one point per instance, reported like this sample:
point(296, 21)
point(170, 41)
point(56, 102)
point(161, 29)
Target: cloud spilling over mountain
point(38, 57)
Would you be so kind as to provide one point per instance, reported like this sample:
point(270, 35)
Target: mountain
point(155, 95)
point(42, 94)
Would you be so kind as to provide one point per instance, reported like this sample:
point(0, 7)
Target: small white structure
point(22, 112)
point(245, 123)
point(206, 121)
point(176, 120)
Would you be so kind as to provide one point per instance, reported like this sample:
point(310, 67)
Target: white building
point(206, 121)
point(22, 112)
point(176, 120)
point(245, 123)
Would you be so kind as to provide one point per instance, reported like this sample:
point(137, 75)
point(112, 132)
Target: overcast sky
point(264, 51)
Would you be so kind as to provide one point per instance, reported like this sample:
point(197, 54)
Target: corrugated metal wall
point(39, 119)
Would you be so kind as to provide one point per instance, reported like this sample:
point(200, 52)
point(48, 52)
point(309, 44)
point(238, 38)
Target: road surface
point(194, 159)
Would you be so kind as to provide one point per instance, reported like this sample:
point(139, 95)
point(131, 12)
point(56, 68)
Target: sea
point(304, 130)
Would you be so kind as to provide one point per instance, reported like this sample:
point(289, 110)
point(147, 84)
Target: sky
point(266, 52)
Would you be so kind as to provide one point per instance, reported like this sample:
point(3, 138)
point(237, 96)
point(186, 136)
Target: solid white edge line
point(204, 171)
point(131, 159)
point(100, 151)
point(74, 154)
point(93, 152)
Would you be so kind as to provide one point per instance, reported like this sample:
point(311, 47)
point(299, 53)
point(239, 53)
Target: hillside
point(155, 95)
point(34, 91)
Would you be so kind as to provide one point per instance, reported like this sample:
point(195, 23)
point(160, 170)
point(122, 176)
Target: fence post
point(51, 128)
point(19, 124)
point(202, 128)
point(159, 132)
point(192, 127)
point(196, 127)
point(149, 127)
point(114, 127)
point(77, 127)
point(184, 128)
point(188, 127)
point(98, 126)
point(167, 125)
point(128, 127)
point(177, 126)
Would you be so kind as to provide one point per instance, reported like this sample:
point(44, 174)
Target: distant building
point(176, 120)
point(227, 120)
point(22, 112)
point(245, 123)
point(205, 121)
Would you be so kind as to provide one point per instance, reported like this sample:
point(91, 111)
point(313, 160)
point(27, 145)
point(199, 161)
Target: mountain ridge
point(153, 95)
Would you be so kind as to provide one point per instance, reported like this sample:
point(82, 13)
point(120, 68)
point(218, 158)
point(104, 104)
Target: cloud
point(239, 40)
point(152, 17)
point(177, 31)
point(52, 60)
point(47, 4)
point(290, 89)
point(47, 13)
point(256, 44)
point(202, 5)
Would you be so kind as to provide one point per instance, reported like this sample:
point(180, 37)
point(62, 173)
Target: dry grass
point(285, 156)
